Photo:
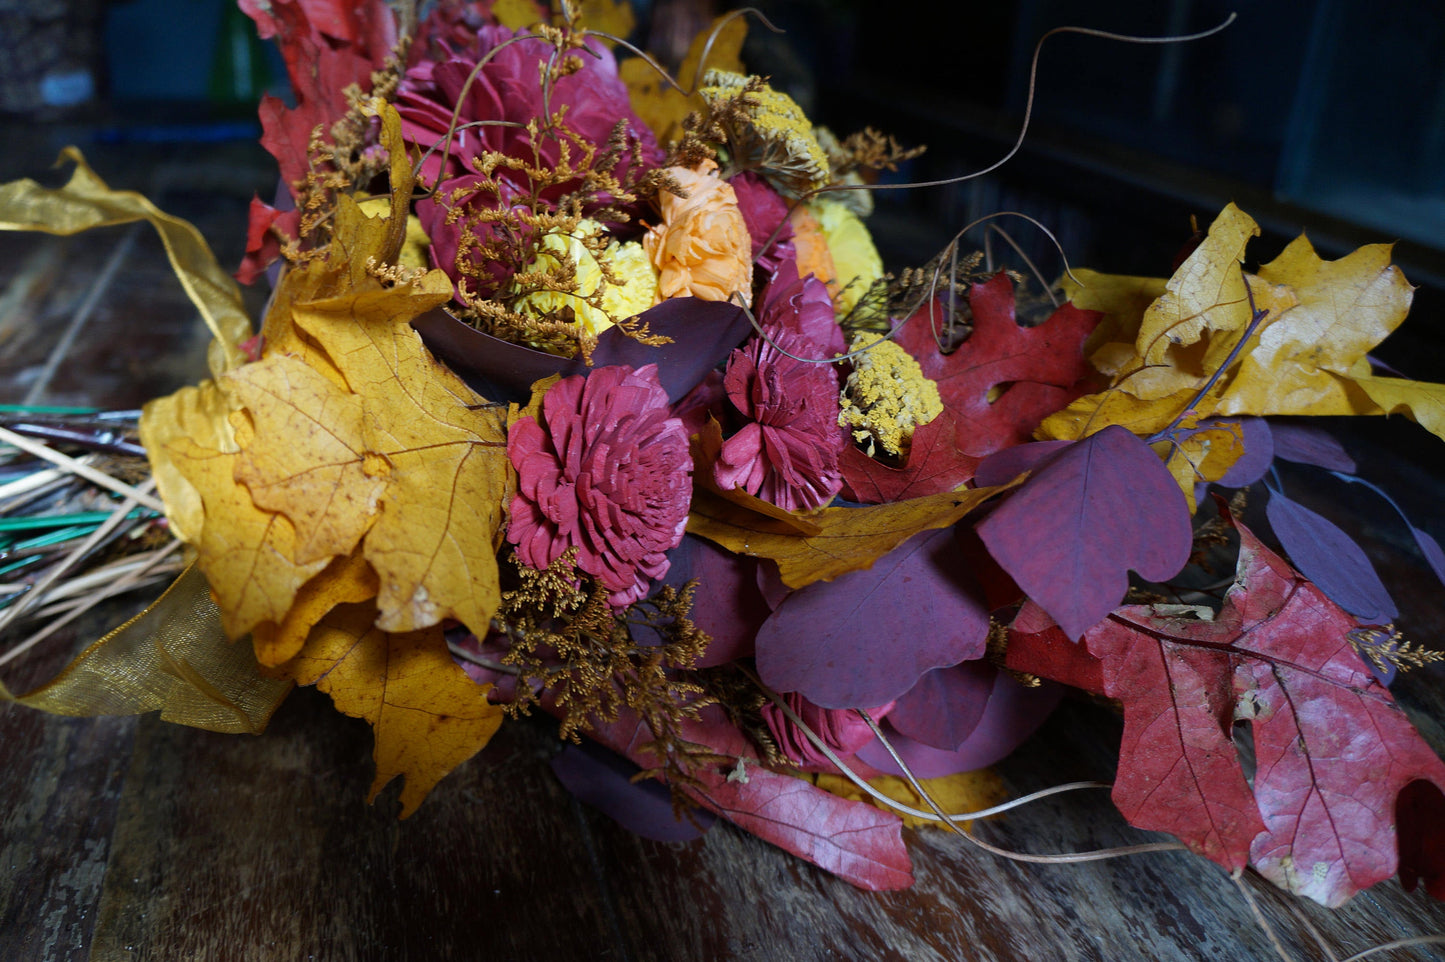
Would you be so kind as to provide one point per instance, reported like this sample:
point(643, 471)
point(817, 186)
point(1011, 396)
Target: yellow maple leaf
point(346, 580)
point(245, 553)
point(1308, 353)
point(662, 107)
point(846, 539)
point(426, 715)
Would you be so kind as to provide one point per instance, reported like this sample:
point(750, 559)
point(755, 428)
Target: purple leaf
point(728, 605)
point(1258, 450)
point(945, 706)
point(602, 779)
point(1430, 548)
point(1305, 443)
point(702, 332)
point(865, 638)
point(1012, 714)
point(1001, 467)
point(1071, 534)
point(1327, 556)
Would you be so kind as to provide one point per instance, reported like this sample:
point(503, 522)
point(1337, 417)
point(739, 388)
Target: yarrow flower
point(607, 471)
point(788, 453)
point(702, 247)
point(887, 396)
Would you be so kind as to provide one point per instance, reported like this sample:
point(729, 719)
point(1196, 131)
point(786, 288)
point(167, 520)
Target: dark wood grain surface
point(130, 840)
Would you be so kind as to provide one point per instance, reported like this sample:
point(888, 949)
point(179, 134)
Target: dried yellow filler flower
point(887, 396)
point(769, 134)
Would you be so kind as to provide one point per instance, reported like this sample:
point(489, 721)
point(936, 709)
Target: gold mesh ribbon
point(86, 201)
point(173, 657)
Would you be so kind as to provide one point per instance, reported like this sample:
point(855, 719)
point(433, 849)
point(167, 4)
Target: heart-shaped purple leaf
point(864, 638)
point(1071, 534)
point(1001, 467)
point(603, 779)
point(1298, 440)
point(945, 706)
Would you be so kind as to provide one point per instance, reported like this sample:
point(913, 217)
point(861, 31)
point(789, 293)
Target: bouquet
point(582, 389)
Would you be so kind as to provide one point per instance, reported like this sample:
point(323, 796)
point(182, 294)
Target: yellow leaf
point(245, 553)
point(1122, 300)
point(1189, 330)
point(517, 14)
point(200, 415)
point(1203, 456)
point(954, 794)
point(347, 580)
point(442, 450)
point(1422, 402)
point(311, 464)
point(608, 16)
point(660, 106)
point(86, 202)
point(848, 539)
point(1305, 354)
point(426, 715)
point(1094, 412)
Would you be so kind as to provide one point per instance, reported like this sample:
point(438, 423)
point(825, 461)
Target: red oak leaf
point(855, 841)
point(327, 45)
point(1032, 371)
point(1072, 532)
point(1336, 757)
point(263, 238)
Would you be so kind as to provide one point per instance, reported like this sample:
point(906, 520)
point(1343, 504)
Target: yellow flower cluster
point(635, 294)
point(887, 396)
point(777, 139)
point(856, 263)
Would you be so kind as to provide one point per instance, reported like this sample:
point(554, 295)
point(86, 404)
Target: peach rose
point(702, 247)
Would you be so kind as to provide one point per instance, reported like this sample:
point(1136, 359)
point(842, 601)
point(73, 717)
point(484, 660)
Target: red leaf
point(1070, 535)
point(263, 245)
point(1036, 370)
point(855, 841)
point(327, 45)
point(1334, 753)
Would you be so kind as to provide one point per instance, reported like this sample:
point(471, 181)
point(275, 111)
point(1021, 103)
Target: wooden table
point(132, 839)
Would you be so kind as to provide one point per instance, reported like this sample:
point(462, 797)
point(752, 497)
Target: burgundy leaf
point(865, 637)
point(995, 389)
point(1012, 714)
point(1001, 467)
point(703, 334)
point(1306, 443)
point(1331, 559)
point(1258, 450)
point(945, 705)
point(729, 605)
point(603, 779)
point(1071, 533)
point(1430, 548)
point(854, 840)
point(1334, 752)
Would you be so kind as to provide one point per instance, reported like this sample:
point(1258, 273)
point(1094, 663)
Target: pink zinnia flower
point(842, 729)
point(788, 454)
point(609, 474)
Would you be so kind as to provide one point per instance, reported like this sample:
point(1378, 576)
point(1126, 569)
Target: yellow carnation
point(701, 248)
point(856, 264)
point(636, 292)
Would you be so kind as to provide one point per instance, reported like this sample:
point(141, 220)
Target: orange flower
point(701, 248)
point(812, 246)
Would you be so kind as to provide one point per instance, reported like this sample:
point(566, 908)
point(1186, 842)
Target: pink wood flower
point(788, 453)
point(842, 729)
point(606, 471)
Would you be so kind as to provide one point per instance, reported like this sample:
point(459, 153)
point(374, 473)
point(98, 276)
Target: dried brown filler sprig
point(571, 648)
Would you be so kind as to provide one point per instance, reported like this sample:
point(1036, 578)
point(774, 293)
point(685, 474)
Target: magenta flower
point(609, 474)
point(764, 212)
point(788, 453)
point(843, 730)
point(509, 89)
